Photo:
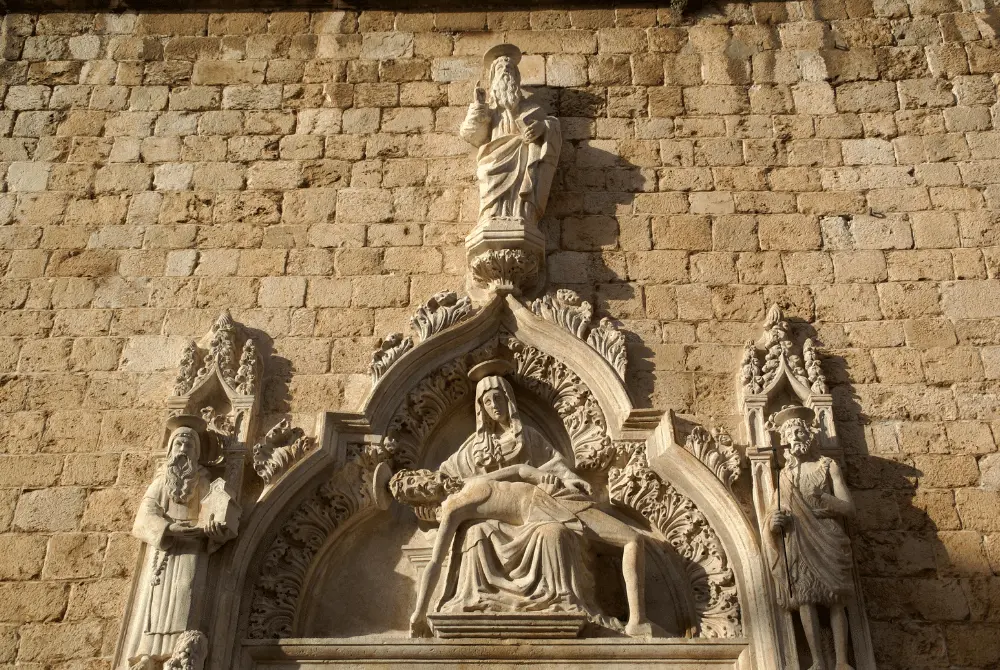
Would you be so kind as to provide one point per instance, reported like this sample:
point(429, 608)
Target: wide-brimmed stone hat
point(508, 50)
point(794, 412)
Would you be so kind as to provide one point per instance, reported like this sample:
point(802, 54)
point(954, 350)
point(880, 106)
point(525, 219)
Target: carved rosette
point(570, 311)
point(684, 526)
point(717, 452)
point(281, 446)
point(291, 551)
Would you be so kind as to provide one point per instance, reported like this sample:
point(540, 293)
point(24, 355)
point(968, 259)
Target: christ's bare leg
point(611, 531)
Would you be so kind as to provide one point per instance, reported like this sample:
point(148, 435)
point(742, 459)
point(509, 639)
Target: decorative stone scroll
point(569, 310)
point(442, 311)
point(291, 551)
point(634, 485)
point(390, 348)
point(566, 309)
point(715, 449)
point(281, 446)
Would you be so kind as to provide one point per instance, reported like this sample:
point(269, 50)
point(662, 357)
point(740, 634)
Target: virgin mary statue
point(537, 566)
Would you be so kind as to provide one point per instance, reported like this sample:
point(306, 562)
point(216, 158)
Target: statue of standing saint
point(808, 549)
point(171, 522)
point(518, 144)
point(519, 148)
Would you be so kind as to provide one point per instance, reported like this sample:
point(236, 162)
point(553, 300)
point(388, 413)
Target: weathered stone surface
point(302, 168)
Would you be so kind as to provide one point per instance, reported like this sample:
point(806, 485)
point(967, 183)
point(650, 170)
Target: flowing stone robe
point(537, 566)
point(818, 570)
point(514, 177)
point(172, 584)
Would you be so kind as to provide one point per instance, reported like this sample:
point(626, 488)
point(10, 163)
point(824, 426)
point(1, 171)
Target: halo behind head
point(492, 367)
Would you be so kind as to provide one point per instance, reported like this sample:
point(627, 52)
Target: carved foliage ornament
point(281, 446)
point(569, 310)
point(636, 486)
point(780, 353)
point(441, 312)
point(717, 452)
point(241, 372)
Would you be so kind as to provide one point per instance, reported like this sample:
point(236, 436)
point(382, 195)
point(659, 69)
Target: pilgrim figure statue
point(523, 497)
point(518, 144)
point(808, 549)
point(168, 602)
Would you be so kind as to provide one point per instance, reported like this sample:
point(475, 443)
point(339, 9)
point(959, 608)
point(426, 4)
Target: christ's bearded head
point(505, 83)
point(182, 464)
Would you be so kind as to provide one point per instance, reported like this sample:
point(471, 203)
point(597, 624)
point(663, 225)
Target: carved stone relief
point(715, 449)
point(567, 309)
point(281, 446)
point(290, 551)
point(788, 414)
point(636, 486)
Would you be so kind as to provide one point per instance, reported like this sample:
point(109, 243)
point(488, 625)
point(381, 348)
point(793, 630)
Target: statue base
point(531, 625)
point(505, 255)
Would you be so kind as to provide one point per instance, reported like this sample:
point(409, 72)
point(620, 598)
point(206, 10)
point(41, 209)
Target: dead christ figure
point(518, 495)
point(808, 550)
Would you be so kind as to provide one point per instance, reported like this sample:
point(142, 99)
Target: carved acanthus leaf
point(778, 347)
point(685, 527)
point(503, 268)
point(717, 452)
point(751, 374)
point(281, 446)
point(288, 557)
point(558, 386)
point(424, 406)
point(391, 347)
point(814, 369)
point(442, 311)
point(248, 373)
point(187, 370)
point(566, 309)
point(221, 354)
point(609, 342)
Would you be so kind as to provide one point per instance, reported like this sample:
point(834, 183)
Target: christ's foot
point(419, 627)
point(644, 629)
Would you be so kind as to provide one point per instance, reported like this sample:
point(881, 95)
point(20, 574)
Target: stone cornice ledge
point(382, 649)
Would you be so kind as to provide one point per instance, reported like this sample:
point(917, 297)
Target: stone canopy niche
point(496, 499)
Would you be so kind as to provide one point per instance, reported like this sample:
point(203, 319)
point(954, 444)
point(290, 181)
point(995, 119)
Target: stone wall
point(839, 158)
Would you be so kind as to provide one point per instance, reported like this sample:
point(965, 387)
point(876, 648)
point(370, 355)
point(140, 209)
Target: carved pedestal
point(505, 256)
point(504, 626)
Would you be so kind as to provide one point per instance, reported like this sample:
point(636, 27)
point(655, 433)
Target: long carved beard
point(180, 479)
point(507, 93)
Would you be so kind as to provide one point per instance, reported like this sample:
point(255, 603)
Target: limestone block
point(74, 556)
point(52, 509)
